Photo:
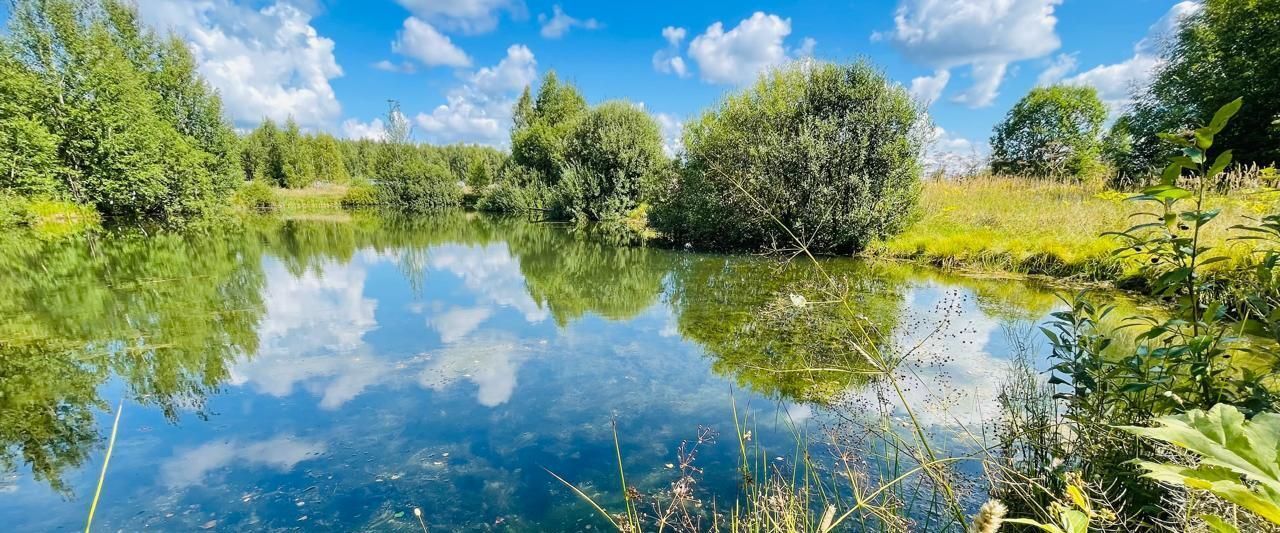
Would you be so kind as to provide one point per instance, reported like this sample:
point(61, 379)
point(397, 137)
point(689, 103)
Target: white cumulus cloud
point(668, 60)
point(927, 89)
point(1117, 82)
point(672, 128)
point(465, 16)
point(387, 65)
point(375, 130)
point(559, 23)
point(1060, 67)
point(479, 110)
point(986, 84)
point(740, 54)
point(985, 35)
point(268, 62)
point(421, 41)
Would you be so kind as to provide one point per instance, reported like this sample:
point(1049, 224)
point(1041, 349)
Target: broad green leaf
point(1050, 528)
point(1074, 521)
point(1218, 525)
point(1174, 139)
point(1219, 164)
point(1204, 138)
point(1229, 447)
point(1224, 114)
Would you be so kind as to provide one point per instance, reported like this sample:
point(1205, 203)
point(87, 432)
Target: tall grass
point(1033, 226)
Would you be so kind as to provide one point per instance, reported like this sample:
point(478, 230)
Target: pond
point(336, 371)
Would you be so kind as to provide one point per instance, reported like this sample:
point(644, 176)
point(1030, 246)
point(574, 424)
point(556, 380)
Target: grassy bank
point(318, 195)
point(1037, 227)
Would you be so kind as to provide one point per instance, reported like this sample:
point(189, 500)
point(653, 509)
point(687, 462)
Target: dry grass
point(1037, 227)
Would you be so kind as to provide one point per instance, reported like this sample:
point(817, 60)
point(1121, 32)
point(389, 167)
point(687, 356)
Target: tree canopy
point(1051, 132)
point(1229, 49)
point(102, 111)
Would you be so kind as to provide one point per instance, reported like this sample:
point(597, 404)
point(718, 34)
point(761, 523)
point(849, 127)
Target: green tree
point(260, 153)
point(1229, 49)
point(296, 163)
point(91, 80)
point(327, 159)
point(410, 178)
point(543, 125)
point(613, 157)
point(829, 151)
point(1118, 152)
point(1051, 132)
point(29, 163)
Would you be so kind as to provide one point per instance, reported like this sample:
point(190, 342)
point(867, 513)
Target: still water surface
point(334, 372)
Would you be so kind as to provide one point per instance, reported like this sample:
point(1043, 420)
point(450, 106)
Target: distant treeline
point(285, 156)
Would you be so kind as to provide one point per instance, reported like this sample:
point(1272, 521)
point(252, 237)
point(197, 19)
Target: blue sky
point(456, 65)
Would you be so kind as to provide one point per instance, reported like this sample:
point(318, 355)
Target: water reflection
point(437, 362)
point(312, 334)
point(490, 363)
point(193, 466)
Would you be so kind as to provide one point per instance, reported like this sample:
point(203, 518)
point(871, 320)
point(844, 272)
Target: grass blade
point(102, 478)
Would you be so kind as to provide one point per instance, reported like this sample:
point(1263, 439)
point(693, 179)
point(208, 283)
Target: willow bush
point(613, 156)
point(831, 152)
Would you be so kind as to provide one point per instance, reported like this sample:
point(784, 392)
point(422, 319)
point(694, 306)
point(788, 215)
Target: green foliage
point(408, 177)
point(1118, 152)
point(613, 156)
point(1076, 517)
point(573, 162)
point(326, 158)
point(29, 163)
point(1228, 49)
point(1239, 458)
point(100, 110)
point(410, 180)
point(359, 156)
point(360, 194)
point(292, 159)
point(542, 126)
point(1051, 132)
point(1195, 345)
point(294, 169)
point(477, 166)
point(828, 152)
point(257, 196)
point(1189, 359)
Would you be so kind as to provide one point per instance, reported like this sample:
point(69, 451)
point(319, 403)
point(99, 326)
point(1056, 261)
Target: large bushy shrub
point(1052, 132)
point(829, 151)
point(361, 194)
point(408, 179)
point(612, 158)
point(517, 189)
point(575, 162)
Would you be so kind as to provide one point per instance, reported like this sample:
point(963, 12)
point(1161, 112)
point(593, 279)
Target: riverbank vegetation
point(830, 152)
point(1078, 451)
point(1043, 227)
point(102, 117)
